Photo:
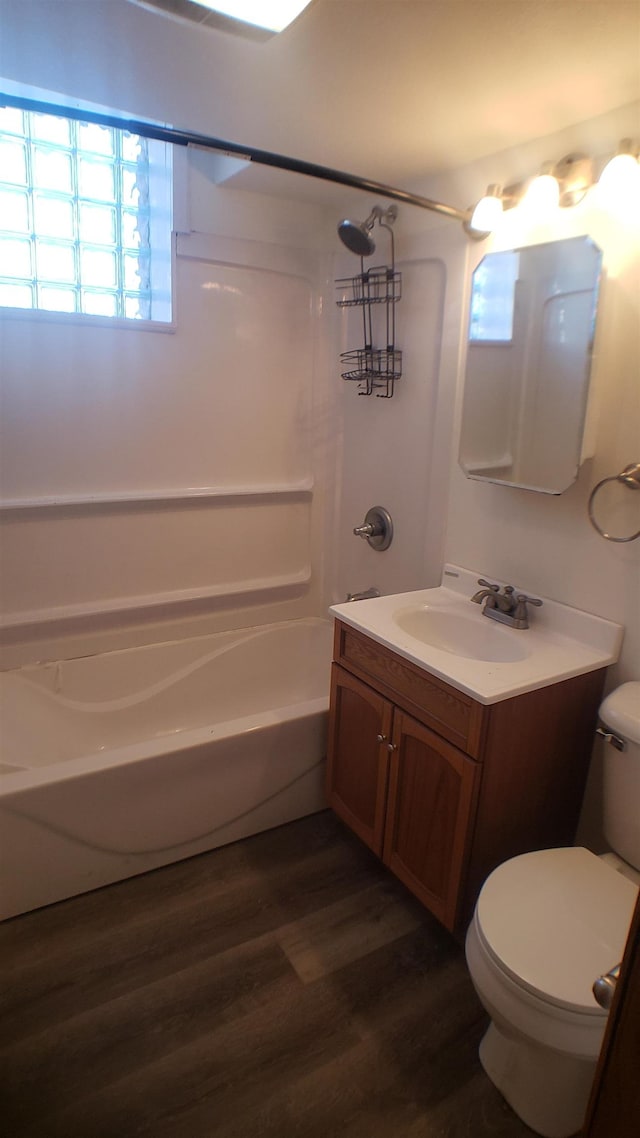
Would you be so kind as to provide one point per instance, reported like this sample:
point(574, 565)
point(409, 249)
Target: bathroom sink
point(442, 631)
point(460, 635)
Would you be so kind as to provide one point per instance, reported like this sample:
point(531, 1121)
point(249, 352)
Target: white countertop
point(561, 641)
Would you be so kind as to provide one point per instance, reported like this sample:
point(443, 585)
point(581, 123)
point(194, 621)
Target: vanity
point(456, 743)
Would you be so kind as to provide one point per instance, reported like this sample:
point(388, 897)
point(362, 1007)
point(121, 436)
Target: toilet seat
point(554, 920)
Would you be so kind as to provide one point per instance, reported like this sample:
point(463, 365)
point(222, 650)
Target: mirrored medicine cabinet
point(529, 352)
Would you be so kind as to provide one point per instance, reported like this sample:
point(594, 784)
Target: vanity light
point(274, 15)
point(564, 183)
point(487, 212)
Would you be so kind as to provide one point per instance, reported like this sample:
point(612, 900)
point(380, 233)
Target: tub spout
point(366, 595)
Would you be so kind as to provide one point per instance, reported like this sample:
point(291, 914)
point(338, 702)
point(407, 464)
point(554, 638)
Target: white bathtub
point(115, 764)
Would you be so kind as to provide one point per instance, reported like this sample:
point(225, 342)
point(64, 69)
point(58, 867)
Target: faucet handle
point(377, 528)
point(520, 612)
point(488, 585)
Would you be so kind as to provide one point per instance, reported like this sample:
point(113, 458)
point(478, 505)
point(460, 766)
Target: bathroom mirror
point(531, 328)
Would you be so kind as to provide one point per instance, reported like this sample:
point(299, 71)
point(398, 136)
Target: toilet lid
point(554, 921)
point(621, 711)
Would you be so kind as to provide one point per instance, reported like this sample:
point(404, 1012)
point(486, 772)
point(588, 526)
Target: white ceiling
point(400, 89)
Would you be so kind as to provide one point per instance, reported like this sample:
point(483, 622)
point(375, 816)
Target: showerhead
point(356, 235)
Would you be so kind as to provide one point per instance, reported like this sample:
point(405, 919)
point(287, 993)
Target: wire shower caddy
point(375, 290)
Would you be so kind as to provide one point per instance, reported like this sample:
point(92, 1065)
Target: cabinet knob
point(382, 738)
point(392, 746)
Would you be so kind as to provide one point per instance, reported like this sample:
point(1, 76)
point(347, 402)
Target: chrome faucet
point(365, 595)
point(507, 606)
point(489, 591)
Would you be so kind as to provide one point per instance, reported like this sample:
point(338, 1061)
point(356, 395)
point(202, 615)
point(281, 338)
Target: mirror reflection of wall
point(531, 329)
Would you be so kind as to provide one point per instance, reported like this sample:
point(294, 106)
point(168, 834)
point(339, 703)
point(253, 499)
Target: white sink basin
point(460, 634)
point(442, 631)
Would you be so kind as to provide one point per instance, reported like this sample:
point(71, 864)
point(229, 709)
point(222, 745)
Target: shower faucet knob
point(377, 528)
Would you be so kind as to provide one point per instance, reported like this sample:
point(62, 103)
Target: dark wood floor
point(285, 986)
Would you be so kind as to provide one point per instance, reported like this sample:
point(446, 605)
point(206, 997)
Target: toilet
point(546, 925)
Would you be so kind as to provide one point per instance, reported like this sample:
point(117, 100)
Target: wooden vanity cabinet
point(443, 788)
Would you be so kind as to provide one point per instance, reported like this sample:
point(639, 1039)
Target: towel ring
point(630, 477)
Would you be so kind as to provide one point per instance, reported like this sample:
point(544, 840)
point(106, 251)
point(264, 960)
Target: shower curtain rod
point(233, 150)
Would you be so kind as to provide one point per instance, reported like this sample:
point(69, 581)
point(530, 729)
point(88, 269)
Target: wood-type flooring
point(286, 986)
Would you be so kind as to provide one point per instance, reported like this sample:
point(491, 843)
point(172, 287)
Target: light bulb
point(488, 212)
point(620, 180)
point(543, 194)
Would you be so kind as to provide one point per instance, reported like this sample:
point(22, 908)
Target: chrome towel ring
point(629, 477)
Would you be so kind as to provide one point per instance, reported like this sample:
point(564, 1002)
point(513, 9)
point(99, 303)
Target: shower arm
point(233, 150)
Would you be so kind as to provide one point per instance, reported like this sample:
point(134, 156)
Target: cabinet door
point(432, 793)
point(358, 756)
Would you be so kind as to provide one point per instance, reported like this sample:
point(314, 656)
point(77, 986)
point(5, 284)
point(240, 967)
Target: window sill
point(85, 320)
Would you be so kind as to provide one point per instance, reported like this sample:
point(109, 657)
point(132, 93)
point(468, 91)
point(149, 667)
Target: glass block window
point(85, 218)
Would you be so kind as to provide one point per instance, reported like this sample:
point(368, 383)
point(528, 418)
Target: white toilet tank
point(620, 715)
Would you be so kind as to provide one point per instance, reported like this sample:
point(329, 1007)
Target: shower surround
point(165, 537)
point(186, 486)
point(174, 484)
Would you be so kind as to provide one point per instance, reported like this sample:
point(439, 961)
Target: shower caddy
point(374, 290)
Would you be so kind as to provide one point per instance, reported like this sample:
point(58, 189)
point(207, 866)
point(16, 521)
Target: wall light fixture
point(559, 184)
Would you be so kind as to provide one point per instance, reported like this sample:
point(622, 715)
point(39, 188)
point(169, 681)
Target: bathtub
point(115, 764)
